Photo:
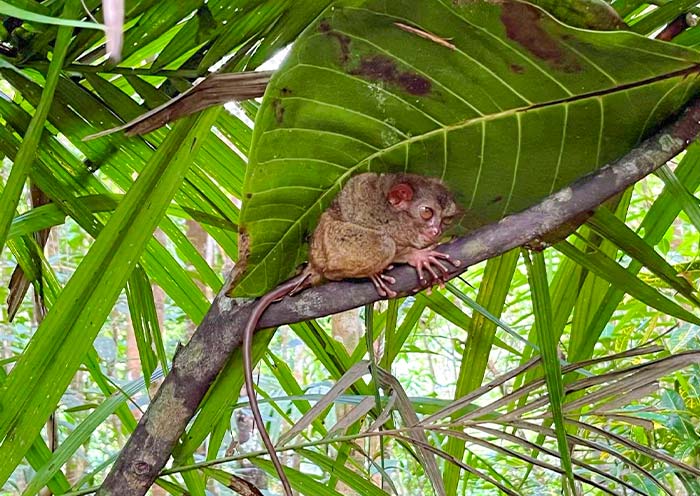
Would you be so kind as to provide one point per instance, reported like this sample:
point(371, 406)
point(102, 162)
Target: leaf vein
point(517, 163)
point(345, 109)
point(321, 131)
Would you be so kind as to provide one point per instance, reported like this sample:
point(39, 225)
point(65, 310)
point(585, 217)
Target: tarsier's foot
point(432, 262)
point(381, 282)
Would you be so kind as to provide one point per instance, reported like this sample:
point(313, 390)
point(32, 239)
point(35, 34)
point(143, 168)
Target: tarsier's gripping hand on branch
point(375, 221)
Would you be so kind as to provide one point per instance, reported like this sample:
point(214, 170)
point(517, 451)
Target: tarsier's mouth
point(427, 239)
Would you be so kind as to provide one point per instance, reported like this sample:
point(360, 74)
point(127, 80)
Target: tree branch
point(196, 366)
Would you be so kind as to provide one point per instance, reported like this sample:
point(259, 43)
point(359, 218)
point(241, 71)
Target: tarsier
point(375, 221)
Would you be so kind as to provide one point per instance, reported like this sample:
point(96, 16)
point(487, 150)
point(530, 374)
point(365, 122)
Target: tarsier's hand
point(426, 260)
point(431, 261)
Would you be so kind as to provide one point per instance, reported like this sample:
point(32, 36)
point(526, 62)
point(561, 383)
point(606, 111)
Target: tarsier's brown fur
point(375, 221)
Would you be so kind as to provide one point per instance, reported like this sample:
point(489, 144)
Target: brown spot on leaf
point(343, 41)
point(249, 195)
point(376, 67)
point(517, 68)
point(278, 108)
point(285, 91)
point(241, 264)
point(497, 199)
point(243, 244)
point(523, 25)
point(382, 68)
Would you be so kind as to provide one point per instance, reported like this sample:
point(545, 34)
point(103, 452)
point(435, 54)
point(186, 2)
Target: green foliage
point(468, 392)
point(10, 10)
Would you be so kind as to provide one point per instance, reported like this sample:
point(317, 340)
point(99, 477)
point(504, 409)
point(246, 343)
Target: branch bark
point(196, 366)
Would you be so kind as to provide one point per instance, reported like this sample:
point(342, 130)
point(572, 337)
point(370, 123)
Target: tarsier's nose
point(433, 232)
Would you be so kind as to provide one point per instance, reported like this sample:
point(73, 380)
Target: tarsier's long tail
point(290, 287)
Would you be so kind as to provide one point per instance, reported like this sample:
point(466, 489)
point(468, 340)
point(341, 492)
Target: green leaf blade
point(548, 341)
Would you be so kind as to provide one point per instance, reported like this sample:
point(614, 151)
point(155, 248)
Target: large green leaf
point(499, 99)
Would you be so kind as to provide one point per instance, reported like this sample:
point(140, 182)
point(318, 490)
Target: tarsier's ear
point(452, 210)
point(400, 193)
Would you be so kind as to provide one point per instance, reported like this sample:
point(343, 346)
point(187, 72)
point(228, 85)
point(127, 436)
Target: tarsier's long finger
point(385, 280)
point(430, 269)
point(421, 276)
point(439, 265)
point(390, 293)
point(446, 256)
point(378, 286)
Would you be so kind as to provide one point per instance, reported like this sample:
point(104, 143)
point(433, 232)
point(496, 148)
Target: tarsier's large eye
point(446, 221)
point(426, 213)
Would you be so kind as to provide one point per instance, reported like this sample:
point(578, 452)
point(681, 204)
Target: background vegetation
point(130, 267)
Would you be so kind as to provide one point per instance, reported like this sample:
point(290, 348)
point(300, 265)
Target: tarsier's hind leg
point(346, 250)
